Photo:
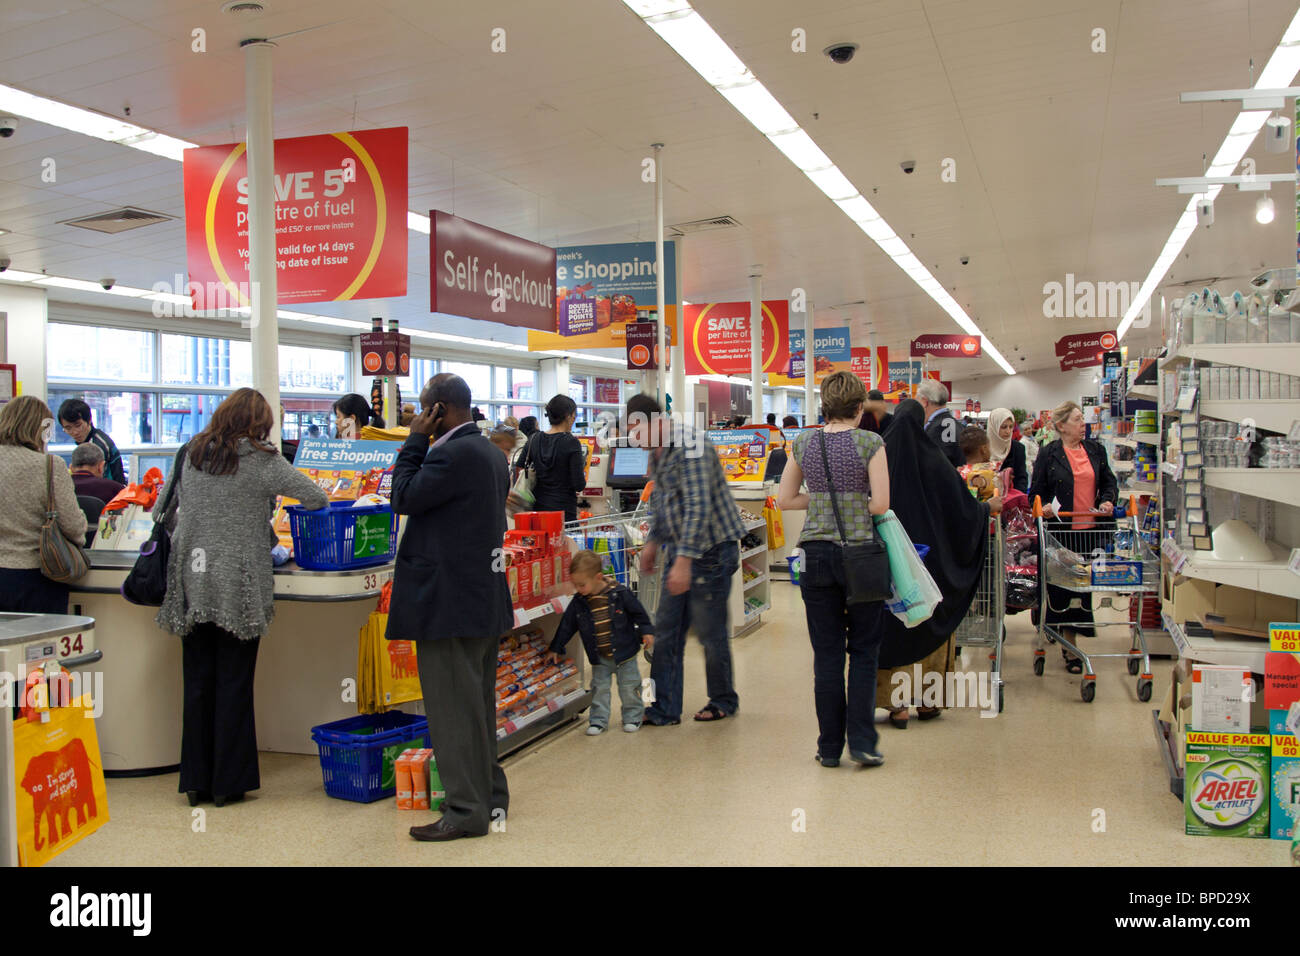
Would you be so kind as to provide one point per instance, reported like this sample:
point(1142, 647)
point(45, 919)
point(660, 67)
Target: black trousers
point(458, 679)
point(218, 733)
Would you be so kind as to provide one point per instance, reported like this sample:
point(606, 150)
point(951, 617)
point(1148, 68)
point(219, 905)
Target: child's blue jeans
point(629, 690)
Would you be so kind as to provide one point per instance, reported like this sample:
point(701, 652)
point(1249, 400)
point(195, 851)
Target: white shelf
point(1239, 651)
point(1273, 484)
point(753, 551)
point(1271, 414)
point(754, 614)
point(1146, 438)
point(1121, 467)
point(1271, 577)
point(758, 580)
point(1279, 357)
point(1142, 487)
point(1147, 392)
point(1125, 441)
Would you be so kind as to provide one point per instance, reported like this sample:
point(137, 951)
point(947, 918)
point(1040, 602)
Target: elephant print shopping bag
point(61, 795)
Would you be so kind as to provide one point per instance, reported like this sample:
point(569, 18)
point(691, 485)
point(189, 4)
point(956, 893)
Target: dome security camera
point(107, 283)
point(908, 166)
point(8, 125)
point(841, 52)
point(1205, 212)
point(4, 263)
point(965, 260)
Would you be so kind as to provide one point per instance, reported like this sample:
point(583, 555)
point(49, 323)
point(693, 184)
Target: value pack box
point(1226, 788)
point(1281, 688)
point(1285, 813)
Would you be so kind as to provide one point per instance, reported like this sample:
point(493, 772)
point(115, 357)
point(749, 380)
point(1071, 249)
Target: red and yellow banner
point(717, 337)
point(340, 218)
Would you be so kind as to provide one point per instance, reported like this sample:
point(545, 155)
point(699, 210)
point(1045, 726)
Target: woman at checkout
point(353, 413)
point(1072, 475)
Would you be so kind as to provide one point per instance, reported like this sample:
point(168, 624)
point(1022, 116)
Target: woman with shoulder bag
point(847, 476)
point(220, 591)
point(558, 460)
point(32, 488)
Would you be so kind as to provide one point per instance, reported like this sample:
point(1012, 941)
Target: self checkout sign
point(386, 353)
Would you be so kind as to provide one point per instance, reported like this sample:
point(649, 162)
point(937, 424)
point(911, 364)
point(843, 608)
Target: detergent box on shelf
point(1285, 814)
point(1226, 790)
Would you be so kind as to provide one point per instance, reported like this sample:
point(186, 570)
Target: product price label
point(560, 604)
point(1284, 637)
point(1294, 564)
point(521, 617)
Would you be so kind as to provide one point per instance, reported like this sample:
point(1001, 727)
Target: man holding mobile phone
point(449, 597)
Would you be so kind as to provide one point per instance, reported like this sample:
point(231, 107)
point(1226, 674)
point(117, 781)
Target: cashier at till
point(353, 413)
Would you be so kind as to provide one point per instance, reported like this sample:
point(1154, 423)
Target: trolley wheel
point(1038, 667)
point(1134, 665)
point(1144, 690)
point(1088, 690)
point(1001, 696)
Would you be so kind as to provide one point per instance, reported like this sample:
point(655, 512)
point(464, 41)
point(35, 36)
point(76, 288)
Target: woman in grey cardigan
point(220, 593)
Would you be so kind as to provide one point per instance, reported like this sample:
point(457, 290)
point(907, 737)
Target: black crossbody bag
point(866, 565)
point(146, 584)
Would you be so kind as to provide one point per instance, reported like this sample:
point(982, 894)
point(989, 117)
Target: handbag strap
point(830, 484)
point(178, 468)
point(49, 488)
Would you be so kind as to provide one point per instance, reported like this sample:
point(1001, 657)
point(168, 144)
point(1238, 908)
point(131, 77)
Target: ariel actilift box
point(1226, 790)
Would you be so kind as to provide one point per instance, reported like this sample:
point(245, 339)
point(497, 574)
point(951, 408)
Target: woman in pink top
point(1074, 473)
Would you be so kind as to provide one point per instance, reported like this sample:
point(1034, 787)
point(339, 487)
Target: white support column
point(809, 366)
point(871, 377)
point(552, 380)
point(661, 376)
point(26, 313)
point(678, 390)
point(756, 344)
point(261, 225)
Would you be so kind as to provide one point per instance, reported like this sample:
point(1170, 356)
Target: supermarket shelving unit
point(754, 562)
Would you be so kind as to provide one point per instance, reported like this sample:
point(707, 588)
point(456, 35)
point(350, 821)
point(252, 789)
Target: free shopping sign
point(832, 352)
point(340, 218)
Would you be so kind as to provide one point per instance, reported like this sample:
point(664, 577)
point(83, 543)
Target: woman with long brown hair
point(25, 425)
point(220, 592)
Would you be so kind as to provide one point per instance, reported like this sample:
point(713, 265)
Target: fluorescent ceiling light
point(1280, 71)
point(90, 123)
point(683, 29)
point(82, 285)
point(13, 275)
point(418, 223)
point(1264, 210)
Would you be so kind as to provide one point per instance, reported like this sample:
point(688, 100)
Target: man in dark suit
point(450, 596)
point(940, 425)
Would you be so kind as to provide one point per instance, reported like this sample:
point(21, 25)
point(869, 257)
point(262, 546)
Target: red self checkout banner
point(340, 207)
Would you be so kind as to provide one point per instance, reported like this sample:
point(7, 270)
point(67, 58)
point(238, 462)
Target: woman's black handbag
point(866, 565)
point(146, 584)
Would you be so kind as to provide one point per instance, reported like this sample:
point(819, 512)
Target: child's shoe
point(594, 729)
point(631, 728)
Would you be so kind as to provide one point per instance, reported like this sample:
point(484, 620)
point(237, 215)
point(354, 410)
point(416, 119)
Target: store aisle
point(1024, 788)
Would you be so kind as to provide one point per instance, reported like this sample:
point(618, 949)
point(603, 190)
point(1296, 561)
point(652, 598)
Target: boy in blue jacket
point(613, 626)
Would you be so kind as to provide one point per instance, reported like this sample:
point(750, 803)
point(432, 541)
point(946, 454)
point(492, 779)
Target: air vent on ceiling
point(119, 220)
point(704, 225)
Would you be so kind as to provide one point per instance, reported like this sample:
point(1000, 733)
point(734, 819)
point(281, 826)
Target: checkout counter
point(306, 663)
point(29, 641)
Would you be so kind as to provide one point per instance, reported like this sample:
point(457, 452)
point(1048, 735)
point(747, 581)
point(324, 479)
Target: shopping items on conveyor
point(913, 593)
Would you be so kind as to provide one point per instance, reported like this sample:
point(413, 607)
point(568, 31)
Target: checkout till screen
point(630, 463)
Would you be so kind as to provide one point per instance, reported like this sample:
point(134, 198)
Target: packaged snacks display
point(419, 764)
point(1226, 790)
point(405, 787)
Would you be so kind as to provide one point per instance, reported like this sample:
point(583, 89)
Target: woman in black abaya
point(936, 509)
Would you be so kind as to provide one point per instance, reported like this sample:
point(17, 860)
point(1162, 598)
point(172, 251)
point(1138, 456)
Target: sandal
point(1074, 666)
point(714, 712)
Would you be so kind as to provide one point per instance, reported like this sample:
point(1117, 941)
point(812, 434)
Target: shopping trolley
point(1112, 558)
point(619, 539)
point(983, 624)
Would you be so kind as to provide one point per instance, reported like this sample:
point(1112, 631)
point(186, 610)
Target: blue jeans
point(629, 691)
point(836, 629)
point(705, 607)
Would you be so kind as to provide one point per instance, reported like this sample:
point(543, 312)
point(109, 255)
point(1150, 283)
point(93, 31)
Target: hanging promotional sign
point(717, 337)
point(904, 377)
point(1098, 341)
point(340, 219)
point(861, 366)
point(743, 452)
point(832, 352)
point(386, 353)
point(483, 273)
point(1082, 358)
point(947, 346)
point(642, 340)
point(599, 290)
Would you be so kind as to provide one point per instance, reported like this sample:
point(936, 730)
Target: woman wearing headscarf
point(935, 508)
point(1007, 453)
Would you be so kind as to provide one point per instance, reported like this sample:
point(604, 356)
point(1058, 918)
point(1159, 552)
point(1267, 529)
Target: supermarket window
point(313, 370)
point(126, 416)
point(523, 384)
point(579, 388)
point(184, 415)
point(606, 390)
point(93, 353)
point(478, 377)
point(300, 414)
point(411, 385)
point(197, 360)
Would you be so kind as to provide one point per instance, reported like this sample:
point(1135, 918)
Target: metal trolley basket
point(619, 538)
point(983, 624)
point(1114, 559)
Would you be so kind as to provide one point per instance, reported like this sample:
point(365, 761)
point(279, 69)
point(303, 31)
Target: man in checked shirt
point(696, 522)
